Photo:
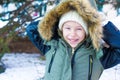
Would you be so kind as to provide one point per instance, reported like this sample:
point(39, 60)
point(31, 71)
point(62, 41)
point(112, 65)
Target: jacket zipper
point(51, 61)
point(90, 67)
point(73, 50)
point(72, 57)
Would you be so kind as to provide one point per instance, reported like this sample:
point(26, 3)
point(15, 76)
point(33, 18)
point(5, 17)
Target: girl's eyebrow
point(67, 24)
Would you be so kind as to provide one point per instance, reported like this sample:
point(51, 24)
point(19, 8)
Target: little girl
point(69, 36)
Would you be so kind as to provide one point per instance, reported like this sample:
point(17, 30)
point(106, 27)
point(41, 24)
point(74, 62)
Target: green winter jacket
point(63, 63)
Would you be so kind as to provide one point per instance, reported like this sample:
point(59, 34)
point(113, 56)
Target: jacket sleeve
point(111, 55)
point(111, 35)
point(35, 38)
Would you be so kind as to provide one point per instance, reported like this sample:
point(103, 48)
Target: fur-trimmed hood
point(47, 26)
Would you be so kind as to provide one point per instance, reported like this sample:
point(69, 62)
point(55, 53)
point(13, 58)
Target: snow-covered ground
point(22, 66)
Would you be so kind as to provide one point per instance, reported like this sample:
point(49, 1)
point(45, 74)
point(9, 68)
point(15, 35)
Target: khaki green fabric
point(60, 68)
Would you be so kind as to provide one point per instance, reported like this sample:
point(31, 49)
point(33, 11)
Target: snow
point(111, 73)
point(109, 13)
point(24, 66)
point(3, 23)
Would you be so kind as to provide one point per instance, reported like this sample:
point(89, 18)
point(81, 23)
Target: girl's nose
point(73, 33)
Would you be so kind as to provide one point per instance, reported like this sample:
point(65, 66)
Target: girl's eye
point(68, 28)
point(79, 29)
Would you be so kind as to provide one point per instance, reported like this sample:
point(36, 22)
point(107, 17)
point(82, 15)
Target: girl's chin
point(73, 45)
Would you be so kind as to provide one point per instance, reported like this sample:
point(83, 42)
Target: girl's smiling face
point(73, 33)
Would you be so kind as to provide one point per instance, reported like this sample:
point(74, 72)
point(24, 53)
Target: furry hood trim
point(49, 24)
